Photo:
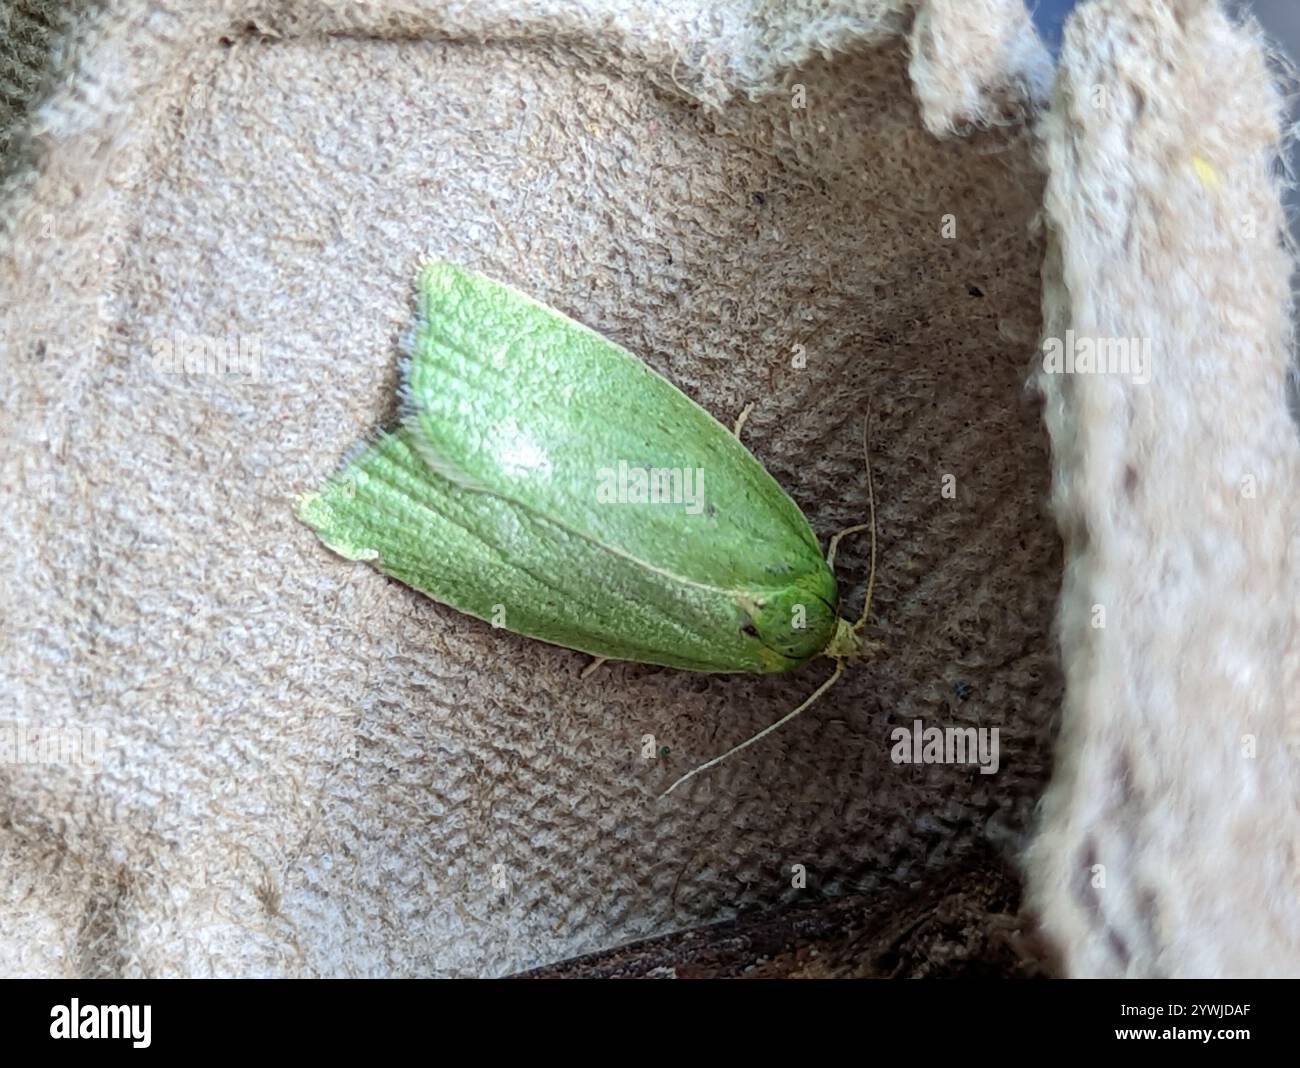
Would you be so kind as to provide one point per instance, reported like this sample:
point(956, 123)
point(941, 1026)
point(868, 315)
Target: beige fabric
point(309, 770)
point(1170, 831)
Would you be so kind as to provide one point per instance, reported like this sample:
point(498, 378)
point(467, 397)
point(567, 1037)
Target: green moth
point(545, 480)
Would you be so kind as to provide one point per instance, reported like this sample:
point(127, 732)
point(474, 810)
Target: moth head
point(845, 643)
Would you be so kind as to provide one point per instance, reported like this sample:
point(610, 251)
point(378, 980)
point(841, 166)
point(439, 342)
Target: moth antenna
point(871, 526)
point(871, 505)
point(839, 670)
point(593, 666)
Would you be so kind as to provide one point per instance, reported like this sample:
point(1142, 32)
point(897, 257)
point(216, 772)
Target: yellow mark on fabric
point(1207, 174)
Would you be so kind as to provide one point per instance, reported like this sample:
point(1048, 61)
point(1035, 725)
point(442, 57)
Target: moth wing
point(505, 394)
point(493, 559)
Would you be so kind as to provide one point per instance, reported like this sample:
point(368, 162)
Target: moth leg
point(740, 419)
point(834, 546)
point(593, 666)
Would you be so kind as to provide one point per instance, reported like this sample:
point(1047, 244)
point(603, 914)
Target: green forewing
point(511, 493)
